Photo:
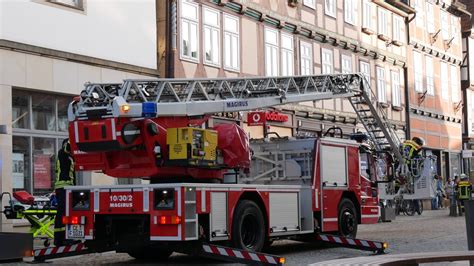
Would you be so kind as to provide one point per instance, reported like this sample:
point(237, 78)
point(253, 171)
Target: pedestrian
point(440, 192)
point(65, 176)
point(451, 194)
point(434, 200)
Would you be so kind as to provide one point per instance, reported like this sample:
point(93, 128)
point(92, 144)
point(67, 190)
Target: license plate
point(75, 231)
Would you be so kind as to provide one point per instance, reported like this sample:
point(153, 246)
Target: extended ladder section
point(197, 97)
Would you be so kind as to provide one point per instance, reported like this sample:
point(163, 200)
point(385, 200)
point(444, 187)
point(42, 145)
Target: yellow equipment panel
point(193, 144)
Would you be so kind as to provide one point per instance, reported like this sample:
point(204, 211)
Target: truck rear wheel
point(248, 227)
point(150, 253)
point(347, 218)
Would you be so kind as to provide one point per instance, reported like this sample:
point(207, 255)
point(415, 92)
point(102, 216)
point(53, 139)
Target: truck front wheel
point(347, 218)
point(248, 227)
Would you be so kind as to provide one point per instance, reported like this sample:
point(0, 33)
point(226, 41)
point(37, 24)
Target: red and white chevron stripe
point(58, 250)
point(352, 242)
point(242, 254)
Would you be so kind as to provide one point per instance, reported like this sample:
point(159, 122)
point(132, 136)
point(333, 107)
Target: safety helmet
point(463, 177)
point(66, 145)
point(419, 140)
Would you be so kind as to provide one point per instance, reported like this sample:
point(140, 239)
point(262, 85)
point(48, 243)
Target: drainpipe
point(405, 75)
point(171, 35)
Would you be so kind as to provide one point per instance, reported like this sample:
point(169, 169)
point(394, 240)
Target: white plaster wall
point(118, 30)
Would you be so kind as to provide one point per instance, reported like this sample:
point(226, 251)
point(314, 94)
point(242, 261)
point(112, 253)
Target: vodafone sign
point(259, 118)
point(256, 118)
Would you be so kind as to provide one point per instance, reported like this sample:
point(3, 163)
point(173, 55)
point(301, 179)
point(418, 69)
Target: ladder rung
point(364, 110)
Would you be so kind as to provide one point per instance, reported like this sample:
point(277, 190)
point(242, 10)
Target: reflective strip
point(370, 216)
point(131, 132)
point(112, 123)
point(146, 199)
point(238, 254)
point(351, 241)
point(61, 229)
point(96, 200)
point(73, 247)
point(316, 199)
point(270, 259)
point(222, 251)
point(254, 256)
point(207, 248)
point(67, 202)
point(330, 220)
point(203, 200)
point(48, 251)
point(364, 243)
point(337, 240)
point(76, 131)
point(61, 249)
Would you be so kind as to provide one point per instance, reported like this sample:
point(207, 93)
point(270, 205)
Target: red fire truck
point(213, 185)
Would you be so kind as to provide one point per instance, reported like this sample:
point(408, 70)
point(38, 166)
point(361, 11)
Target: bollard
point(469, 211)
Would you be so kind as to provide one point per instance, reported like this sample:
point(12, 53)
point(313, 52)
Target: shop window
point(44, 155)
point(21, 178)
point(63, 103)
point(21, 110)
point(43, 107)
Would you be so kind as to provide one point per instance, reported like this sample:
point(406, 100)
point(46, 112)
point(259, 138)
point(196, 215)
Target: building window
point(367, 22)
point(327, 61)
point(346, 63)
point(231, 43)
point(189, 30)
point(396, 95)
point(454, 28)
point(397, 28)
point(381, 83)
point(287, 63)
point(430, 23)
point(350, 11)
point(330, 8)
point(271, 52)
point(418, 68)
point(34, 115)
point(418, 4)
point(429, 76)
point(445, 25)
point(382, 20)
point(306, 53)
point(444, 81)
point(212, 34)
point(310, 3)
point(364, 68)
point(454, 84)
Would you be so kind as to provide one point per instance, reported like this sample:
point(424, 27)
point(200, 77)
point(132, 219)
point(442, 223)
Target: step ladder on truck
point(211, 186)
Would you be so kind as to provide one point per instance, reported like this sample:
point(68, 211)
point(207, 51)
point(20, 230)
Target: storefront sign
point(467, 153)
point(42, 171)
point(259, 118)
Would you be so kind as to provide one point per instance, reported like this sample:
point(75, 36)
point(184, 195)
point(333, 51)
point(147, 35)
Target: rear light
point(169, 219)
point(73, 220)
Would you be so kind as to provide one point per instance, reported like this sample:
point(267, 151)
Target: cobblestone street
point(432, 231)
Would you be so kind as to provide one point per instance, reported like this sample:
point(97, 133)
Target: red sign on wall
point(256, 118)
point(259, 118)
point(42, 171)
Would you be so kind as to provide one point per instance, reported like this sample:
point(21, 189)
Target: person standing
point(65, 176)
point(450, 193)
point(440, 192)
point(434, 200)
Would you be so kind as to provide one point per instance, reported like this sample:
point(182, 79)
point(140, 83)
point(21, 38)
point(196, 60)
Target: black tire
point(150, 253)
point(409, 207)
point(347, 219)
point(419, 210)
point(248, 227)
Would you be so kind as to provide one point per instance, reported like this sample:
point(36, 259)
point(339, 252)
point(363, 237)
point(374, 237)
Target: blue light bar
point(149, 109)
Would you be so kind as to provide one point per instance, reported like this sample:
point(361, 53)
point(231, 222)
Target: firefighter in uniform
point(412, 148)
point(65, 177)
point(463, 191)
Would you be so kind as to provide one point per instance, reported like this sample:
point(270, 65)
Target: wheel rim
point(348, 222)
point(249, 231)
